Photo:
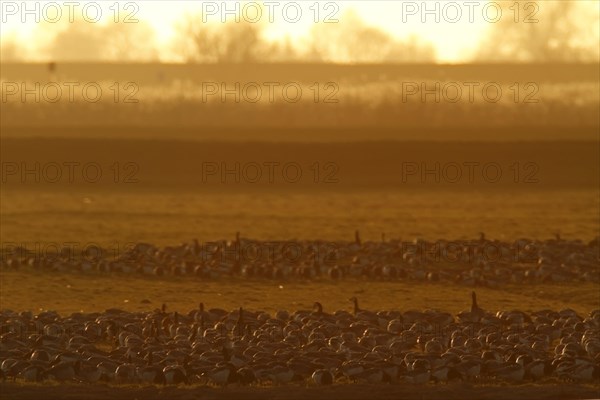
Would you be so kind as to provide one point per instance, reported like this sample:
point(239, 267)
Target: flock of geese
point(480, 262)
point(217, 347)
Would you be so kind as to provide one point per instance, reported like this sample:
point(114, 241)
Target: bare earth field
point(170, 205)
point(349, 392)
point(115, 220)
point(168, 200)
point(67, 293)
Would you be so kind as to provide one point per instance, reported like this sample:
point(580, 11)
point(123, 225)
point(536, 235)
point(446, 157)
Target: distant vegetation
point(371, 99)
point(553, 31)
point(559, 31)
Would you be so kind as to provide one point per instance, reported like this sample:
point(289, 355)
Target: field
point(170, 202)
point(158, 185)
point(143, 218)
point(68, 293)
point(78, 293)
point(353, 392)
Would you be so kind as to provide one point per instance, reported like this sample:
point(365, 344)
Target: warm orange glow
point(303, 199)
point(452, 41)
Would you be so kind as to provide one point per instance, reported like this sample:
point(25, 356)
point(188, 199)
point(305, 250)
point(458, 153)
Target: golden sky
point(453, 41)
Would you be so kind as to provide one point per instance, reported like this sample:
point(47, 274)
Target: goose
point(318, 313)
point(335, 272)
point(237, 360)
point(89, 373)
point(390, 371)
point(176, 374)
point(362, 314)
point(246, 376)
point(475, 314)
point(419, 372)
point(473, 345)
point(40, 355)
point(390, 271)
point(511, 373)
point(11, 366)
point(440, 319)
point(583, 372)
point(281, 374)
point(221, 375)
point(386, 346)
point(370, 375)
point(445, 373)
point(63, 370)
point(173, 325)
point(375, 259)
point(150, 373)
point(434, 346)
point(351, 369)
point(357, 240)
point(33, 373)
point(536, 369)
point(469, 369)
point(395, 326)
point(108, 369)
point(125, 373)
point(322, 377)
point(240, 323)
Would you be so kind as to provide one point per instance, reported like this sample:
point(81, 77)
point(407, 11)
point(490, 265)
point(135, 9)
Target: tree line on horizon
point(561, 38)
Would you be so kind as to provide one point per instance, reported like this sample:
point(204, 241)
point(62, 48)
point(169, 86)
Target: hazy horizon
point(344, 32)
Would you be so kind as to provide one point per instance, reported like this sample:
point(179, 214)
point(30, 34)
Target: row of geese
point(480, 262)
point(217, 347)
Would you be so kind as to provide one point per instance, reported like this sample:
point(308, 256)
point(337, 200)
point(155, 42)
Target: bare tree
point(130, 42)
point(282, 51)
point(348, 41)
point(80, 41)
point(352, 40)
point(232, 42)
point(543, 31)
